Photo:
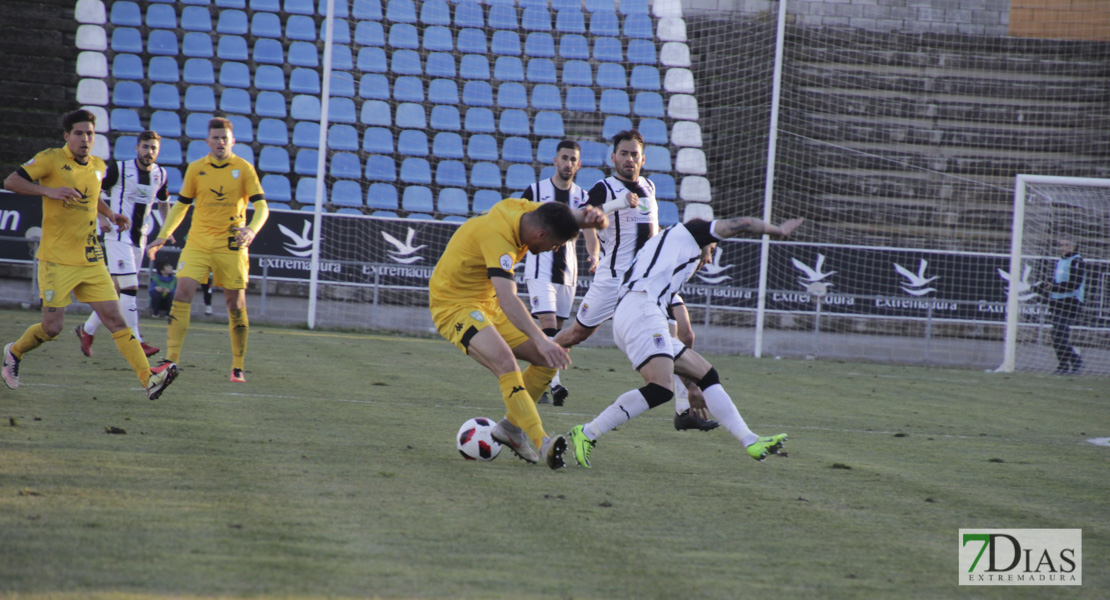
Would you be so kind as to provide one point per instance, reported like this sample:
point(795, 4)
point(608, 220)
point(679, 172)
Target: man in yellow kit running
point(473, 289)
point(220, 185)
point(70, 258)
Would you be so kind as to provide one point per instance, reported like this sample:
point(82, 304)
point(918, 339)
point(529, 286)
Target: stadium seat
point(304, 81)
point(267, 104)
point(548, 124)
point(90, 11)
point(341, 59)
point(485, 175)
point(437, 38)
point(301, 28)
point(641, 52)
point(167, 124)
point(346, 193)
point(517, 149)
point(445, 118)
point(273, 160)
point(608, 49)
point(539, 45)
point(408, 89)
point(125, 120)
point(306, 134)
point(440, 64)
point(341, 84)
point(273, 131)
point(381, 196)
point(343, 137)
point(696, 210)
point(452, 201)
point(634, 7)
point(648, 104)
point(482, 147)
point(235, 74)
point(232, 22)
point(416, 170)
point(369, 33)
point(535, 18)
point(380, 168)
point(565, 4)
point(502, 16)
point(605, 23)
point(657, 158)
point(654, 131)
point(546, 149)
point(477, 93)
point(588, 176)
point(164, 96)
point(303, 54)
point(126, 39)
point(375, 112)
point(266, 25)
point(374, 86)
point(690, 161)
point(403, 35)
point(159, 16)
point(341, 32)
point(672, 29)
point(450, 173)
point(411, 142)
point(514, 122)
point(197, 45)
point(479, 120)
point(305, 7)
point(644, 77)
point(405, 62)
point(664, 186)
point(485, 199)
point(378, 140)
point(638, 26)
point(197, 150)
point(162, 42)
point(505, 43)
point(277, 189)
point(345, 165)
point(124, 148)
point(447, 144)
point(305, 108)
point(305, 162)
point(679, 81)
point(469, 13)
point(614, 125)
point(577, 72)
point(546, 97)
point(306, 193)
point(593, 153)
point(372, 60)
point(125, 14)
point(128, 94)
point(384, 214)
point(471, 41)
point(400, 11)
point(199, 71)
point(581, 99)
point(265, 5)
point(518, 177)
point(163, 69)
point(686, 133)
point(546, 173)
point(675, 54)
point(196, 125)
point(232, 48)
point(668, 213)
point(615, 102)
point(127, 66)
point(508, 68)
point(367, 9)
point(244, 129)
point(512, 95)
point(236, 4)
point(570, 20)
point(435, 12)
point(611, 75)
point(541, 70)
point(341, 110)
point(594, 6)
point(443, 91)
point(574, 47)
point(411, 116)
point(474, 66)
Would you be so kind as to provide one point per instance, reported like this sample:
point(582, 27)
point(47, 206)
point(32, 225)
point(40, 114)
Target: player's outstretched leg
point(766, 446)
point(583, 445)
point(160, 378)
point(514, 438)
point(11, 368)
point(83, 334)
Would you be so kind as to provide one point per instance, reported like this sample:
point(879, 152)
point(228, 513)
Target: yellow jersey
point(484, 245)
point(219, 192)
point(68, 230)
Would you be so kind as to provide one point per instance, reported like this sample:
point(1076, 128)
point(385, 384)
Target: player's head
point(550, 226)
point(221, 138)
point(568, 159)
point(80, 131)
point(146, 149)
point(1066, 246)
point(165, 268)
point(628, 154)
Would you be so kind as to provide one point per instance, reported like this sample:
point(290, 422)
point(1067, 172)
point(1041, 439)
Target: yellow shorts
point(458, 323)
point(88, 283)
point(229, 271)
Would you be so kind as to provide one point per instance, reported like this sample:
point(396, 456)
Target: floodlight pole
point(317, 218)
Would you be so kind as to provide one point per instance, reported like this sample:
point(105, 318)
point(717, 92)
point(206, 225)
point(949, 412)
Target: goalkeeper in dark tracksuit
point(1065, 300)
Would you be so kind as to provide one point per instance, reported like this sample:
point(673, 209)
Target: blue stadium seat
point(266, 104)
point(162, 42)
point(664, 186)
point(403, 35)
point(611, 75)
point(541, 70)
point(126, 39)
point(163, 69)
point(125, 147)
point(408, 89)
point(306, 134)
point(546, 97)
point(125, 14)
point(232, 48)
point(474, 66)
point(634, 7)
point(443, 91)
point(268, 51)
point(411, 115)
point(273, 160)
point(547, 173)
point(305, 108)
point(127, 66)
point(232, 22)
point(593, 153)
point(345, 165)
point(375, 112)
point(304, 81)
point(416, 170)
point(453, 201)
point(481, 146)
point(514, 122)
point(518, 177)
point(381, 196)
point(512, 95)
point(238, 4)
point(581, 99)
point(577, 72)
point(341, 84)
point(304, 7)
point(435, 12)
point(588, 176)
point(565, 4)
point(167, 124)
point(197, 45)
point(346, 193)
point(343, 137)
point(301, 28)
point(341, 110)
point(471, 41)
point(273, 131)
point(605, 23)
point(235, 74)
point(200, 98)
point(638, 26)
point(380, 168)
point(469, 13)
point(485, 175)
point(266, 24)
point(244, 129)
point(534, 18)
point(508, 68)
point(505, 43)
point(440, 64)
point(438, 38)
point(502, 16)
point(369, 33)
point(485, 199)
point(306, 192)
point(517, 149)
point(411, 142)
point(341, 59)
point(450, 173)
point(305, 162)
point(196, 125)
point(614, 125)
point(657, 158)
point(477, 93)
point(125, 120)
point(594, 6)
point(374, 86)
point(644, 77)
point(164, 96)
point(539, 44)
point(304, 54)
point(570, 20)
point(548, 124)
point(378, 140)
point(641, 52)
point(405, 62)
point(608, 49)
point(574, 47)
point(367, 9)
point(547, 148)
point(668, 213)
point(277, 189)
point(244, 151)
point(648, 104)
point(158, 16)
point(479, 120)
point(197, 150)
point(654, 131)
point(400, 11)
point(615, 102)
point(447, 144)
point(265, 5)
point(445, 118)
point(341, 31)
point(372, 60)
point(384, 214)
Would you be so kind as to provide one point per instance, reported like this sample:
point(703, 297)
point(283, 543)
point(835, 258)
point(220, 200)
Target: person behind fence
point(1065, 302)
point(163, 283)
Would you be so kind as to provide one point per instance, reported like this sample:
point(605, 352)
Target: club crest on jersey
point(506, 262)
point(585, 309)
point(235, 173)
point(100, 175)
point(657, 339)
point(477, 316)
point(48, 295)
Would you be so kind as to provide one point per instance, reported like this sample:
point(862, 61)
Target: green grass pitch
point(333, 474)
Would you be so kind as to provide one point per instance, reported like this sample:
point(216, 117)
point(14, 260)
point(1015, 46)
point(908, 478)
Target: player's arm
point(593, 248)
point(19, 182)
point(727, 228)
point(173, 219)
point(590, 217)
point(505, 287)
point(122, 221)
point(261, 213)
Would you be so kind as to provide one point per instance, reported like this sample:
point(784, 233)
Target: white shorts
point(547, 297)
point(599, 302)
point(640, 330)
point(123, 258)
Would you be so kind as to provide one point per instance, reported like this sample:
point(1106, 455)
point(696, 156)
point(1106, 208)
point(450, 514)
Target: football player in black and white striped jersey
point(640, 329)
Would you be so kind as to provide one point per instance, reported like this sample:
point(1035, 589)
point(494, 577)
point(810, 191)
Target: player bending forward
point(640, 329)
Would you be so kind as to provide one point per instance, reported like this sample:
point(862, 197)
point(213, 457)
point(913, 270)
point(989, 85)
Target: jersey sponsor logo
point(478, 316)
point(220, 194)
point(506, 262)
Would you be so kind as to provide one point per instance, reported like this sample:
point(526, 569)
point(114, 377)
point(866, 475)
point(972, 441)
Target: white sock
point(681, 396)
point(128, 306)
point(720, 404)
point(554, 381)
point(92, 324)
point(628, 406)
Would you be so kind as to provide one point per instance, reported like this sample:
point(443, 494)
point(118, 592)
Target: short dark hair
point(570, 144)
point(162, 264)
point(78, 116)
point(557, 219)
point(628, 135)
point(220, 123)
point(149, 135)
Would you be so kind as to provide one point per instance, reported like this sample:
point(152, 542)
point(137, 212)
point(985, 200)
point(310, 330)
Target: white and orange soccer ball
point(474, 440)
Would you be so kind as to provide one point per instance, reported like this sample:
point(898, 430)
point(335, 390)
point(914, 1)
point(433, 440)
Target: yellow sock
point(536, 380)
point(239, 327)
point(34, 337)
point(132, 350)
point(522, 409)
point(179, 326)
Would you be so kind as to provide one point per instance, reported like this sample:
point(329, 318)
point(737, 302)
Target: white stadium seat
point(694, 189)
point(671, 29)
point(92, 91)
point(90, 11)
point(679, 81)
point(667, 8)
point(92, 64)
point(675, 54)
point(103, 124)
point(690, 161)
point(683, 107)
point(697, 210)
point(92, 37)
point(687, 134)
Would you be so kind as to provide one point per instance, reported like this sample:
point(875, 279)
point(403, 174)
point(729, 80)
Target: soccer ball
point(475, 442)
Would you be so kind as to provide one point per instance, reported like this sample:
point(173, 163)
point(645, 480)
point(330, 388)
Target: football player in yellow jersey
point(70, 259)
point(219, 186)
point(472, 297)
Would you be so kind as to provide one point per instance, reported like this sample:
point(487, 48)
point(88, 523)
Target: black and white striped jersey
point(667, 261)
point(558, 266)
point(629, 228)
point(131, 191)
